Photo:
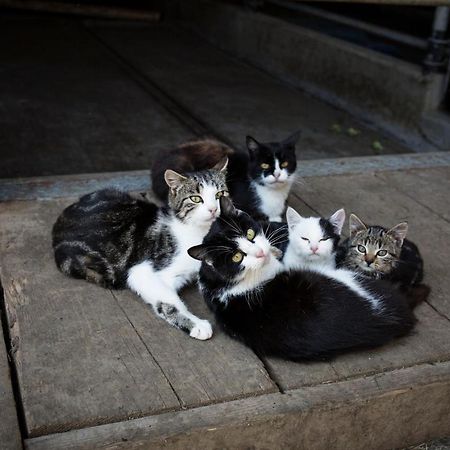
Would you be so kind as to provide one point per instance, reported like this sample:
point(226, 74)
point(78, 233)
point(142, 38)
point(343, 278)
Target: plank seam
point(180, 401)
point(20, 411)
point(173, 106)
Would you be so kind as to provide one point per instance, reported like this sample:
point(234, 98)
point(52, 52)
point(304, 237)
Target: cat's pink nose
point(260, 253)
point(314, 249)
point(276, 175)
point(213, 210)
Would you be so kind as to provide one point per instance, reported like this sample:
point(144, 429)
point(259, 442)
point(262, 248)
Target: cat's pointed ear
point(337, 220)
point(221, 166)
point(252, 145)
point(399, 232)
point(226, 207)
point(292, 217)
point(292, 139)
point(173, 179)
point(356, 224)
point(200, 252)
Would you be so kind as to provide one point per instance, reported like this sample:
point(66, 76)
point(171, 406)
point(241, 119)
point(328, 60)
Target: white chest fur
point(183, 267)
point(273, 199)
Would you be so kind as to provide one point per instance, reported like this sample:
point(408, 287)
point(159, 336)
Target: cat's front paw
point(201, 330)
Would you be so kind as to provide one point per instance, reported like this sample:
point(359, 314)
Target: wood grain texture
point(79, 361)
point(10, 438)
point(389, 410)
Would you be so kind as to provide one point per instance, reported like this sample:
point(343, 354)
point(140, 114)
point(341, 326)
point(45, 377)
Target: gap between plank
point(199, 127)
point(20, 411)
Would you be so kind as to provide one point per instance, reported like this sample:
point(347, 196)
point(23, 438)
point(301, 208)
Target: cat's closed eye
point(324, 239)
point(237, 257)
point(305, 239)
point(196, 198)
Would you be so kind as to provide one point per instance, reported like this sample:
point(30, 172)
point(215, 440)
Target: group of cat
point(285, 289)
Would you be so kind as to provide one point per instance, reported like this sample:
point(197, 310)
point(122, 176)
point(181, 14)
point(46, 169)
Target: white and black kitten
point(296, 315)
point(313, 241)
point(259, 182)
point(112, 239)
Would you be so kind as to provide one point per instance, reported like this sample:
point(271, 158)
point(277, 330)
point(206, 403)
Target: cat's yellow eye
point(381, 253)
point(251, 234)
point(284, 164)
point(196, 198)
point(265, 166)
point(221, 194)
point(361, 249)
point(237, 257)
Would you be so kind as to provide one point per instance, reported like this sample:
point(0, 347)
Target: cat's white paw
point(201, 330)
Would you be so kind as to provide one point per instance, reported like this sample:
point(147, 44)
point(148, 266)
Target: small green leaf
point(353, 132)
point(336, 128)
point(377, 146)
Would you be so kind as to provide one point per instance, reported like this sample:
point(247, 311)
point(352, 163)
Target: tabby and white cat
point(378, 252)
point(259, 183)
point(313, 241)
point(297, 315)
point(117, 241)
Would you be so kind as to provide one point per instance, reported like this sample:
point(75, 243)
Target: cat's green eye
point(265, 166)
point(284, 164)
point(237, 257)
point(221, 194)
point(361, 249)
point(251, 234)
point(196, 198)
point(381, 253)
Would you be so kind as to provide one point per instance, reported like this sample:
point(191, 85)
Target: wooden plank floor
point(88, 356)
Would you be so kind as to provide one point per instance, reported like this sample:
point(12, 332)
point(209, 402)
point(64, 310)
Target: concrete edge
point(42, 188)
point(387, 410)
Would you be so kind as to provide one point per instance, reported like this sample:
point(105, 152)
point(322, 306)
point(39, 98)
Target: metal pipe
point(437, 57)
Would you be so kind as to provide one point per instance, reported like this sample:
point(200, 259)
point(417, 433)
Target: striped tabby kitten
point(117, 241)
point(379, 252)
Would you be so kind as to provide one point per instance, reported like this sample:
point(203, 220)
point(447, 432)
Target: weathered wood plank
point(220, 89)
point(79, 360)
point(10, 438)
point(200, 372)
point(430, 188)
point(389, 410)
point(71, 108)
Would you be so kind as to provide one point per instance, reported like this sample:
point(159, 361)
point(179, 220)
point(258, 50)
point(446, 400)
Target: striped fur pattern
point(379, 252)
point(118, 241)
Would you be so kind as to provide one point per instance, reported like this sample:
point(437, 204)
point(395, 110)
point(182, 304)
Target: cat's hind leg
point(165, 301)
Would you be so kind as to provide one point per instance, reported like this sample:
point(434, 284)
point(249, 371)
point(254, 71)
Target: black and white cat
point(299, 314)
point(112, 239)
point(259, 182)
point(313, 241)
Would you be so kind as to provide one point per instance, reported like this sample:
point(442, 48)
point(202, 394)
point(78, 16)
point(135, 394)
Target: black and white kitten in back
point(299, 314)
point(112, 239)
point(259, 182)
point(382, 253)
